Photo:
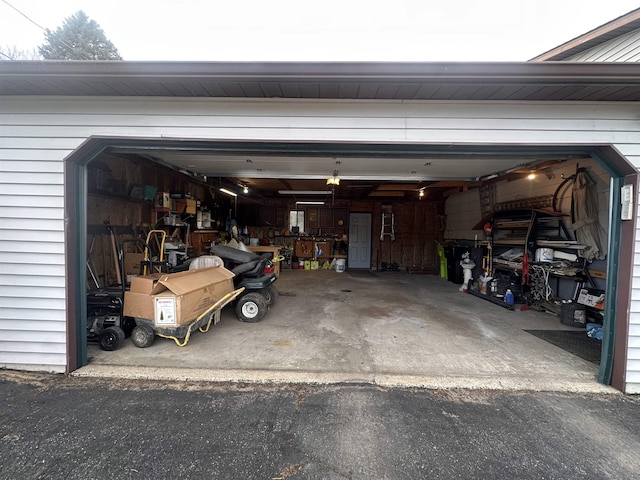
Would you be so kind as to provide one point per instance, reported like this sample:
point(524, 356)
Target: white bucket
point(544, 255)
point(340, 264)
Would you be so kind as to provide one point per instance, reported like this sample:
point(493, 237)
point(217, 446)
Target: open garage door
point(371, 176)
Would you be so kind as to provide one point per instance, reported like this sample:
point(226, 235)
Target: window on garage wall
point(296, 219)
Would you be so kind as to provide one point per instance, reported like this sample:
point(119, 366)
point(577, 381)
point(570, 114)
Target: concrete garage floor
point(389, 329)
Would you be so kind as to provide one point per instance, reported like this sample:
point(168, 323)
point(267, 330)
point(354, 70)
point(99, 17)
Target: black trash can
point(454, 254)
point(573, 315)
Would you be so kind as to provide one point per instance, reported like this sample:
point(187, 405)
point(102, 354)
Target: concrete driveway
point(390, 329)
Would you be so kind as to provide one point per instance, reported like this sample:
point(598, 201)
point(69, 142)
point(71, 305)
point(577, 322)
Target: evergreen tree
point(12, 53)
point(79, 38)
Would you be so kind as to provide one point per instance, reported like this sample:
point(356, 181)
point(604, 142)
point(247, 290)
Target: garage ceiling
point(375, 173)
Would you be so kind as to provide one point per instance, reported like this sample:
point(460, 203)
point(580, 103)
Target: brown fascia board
point(621, 25)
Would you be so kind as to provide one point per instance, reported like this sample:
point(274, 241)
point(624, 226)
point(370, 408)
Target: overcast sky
point(324, 30)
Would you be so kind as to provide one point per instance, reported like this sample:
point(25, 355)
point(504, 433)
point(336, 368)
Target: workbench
point(274, 249)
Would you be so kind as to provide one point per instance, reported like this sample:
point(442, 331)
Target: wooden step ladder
point(388, 223)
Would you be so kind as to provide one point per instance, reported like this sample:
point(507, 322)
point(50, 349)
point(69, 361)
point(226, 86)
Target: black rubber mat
point(572, 341)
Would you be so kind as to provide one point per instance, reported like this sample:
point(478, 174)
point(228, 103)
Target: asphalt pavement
point(57, 427)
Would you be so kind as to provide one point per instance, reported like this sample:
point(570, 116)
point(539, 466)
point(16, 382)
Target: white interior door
point(359, 240)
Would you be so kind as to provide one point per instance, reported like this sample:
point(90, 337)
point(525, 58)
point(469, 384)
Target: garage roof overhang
point(547, 81)
point(610, 30)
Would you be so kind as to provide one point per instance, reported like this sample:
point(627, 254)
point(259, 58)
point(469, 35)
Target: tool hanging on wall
point(114, 250)
point(388, 223)
point(90, 265)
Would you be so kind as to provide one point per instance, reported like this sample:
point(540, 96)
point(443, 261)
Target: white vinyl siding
point(625, 48)
point(633, 350)
point(36, 134)
point(32, 261)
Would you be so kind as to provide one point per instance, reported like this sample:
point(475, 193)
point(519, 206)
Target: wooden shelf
point(520, 242)
point(114, 196)
point(512, 224)
point(526, 231)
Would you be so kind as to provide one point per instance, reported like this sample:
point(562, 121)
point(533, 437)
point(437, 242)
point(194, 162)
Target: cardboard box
point(172, 299)
point(179, 205)
point(184, 205)
point(163, 201)
point(132, 263)
point(591, 297)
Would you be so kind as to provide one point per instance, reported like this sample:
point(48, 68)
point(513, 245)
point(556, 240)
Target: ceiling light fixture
point(309, 203)
point(531, 176)
point(304, 192)
point(334, 180)
point(228, 192)
point(245, 189)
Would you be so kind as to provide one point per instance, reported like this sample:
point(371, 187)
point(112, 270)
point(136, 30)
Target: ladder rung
point(388, 225)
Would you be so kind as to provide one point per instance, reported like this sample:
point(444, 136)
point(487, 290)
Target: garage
point(357, 349)
point(426, 155)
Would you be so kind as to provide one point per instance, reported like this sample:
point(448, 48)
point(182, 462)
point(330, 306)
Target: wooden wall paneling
point(429, 231)
point(282, 217)
point(430, 219)
point(404, 233)
point(376, 244)
point(248, 215)
point(326, 217)
point(396, 245)
point(341, 214)
point(430, 259)
point(267, 216)
point(417, 230)
point(311, 220)
point(417, 236)
point(421, 218)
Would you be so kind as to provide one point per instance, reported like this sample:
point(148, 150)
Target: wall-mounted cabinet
point(316, 249)
point(304, 248)
point(202, 240)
